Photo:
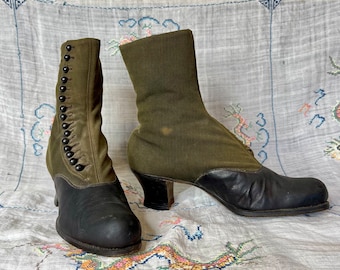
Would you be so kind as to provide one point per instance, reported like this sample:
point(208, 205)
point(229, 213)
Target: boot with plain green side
point(178, 141)
point(94, 214)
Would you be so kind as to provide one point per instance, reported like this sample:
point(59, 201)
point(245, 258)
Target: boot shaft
point(163, 67)
point(177, 138)
point(77, 148)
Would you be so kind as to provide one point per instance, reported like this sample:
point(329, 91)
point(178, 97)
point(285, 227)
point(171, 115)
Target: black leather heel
point(158, 193)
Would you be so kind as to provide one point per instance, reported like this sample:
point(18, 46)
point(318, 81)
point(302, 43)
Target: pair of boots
point(177, 141)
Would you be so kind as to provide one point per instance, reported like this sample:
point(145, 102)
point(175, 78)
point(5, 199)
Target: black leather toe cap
point(264, 193)
point(97, 218)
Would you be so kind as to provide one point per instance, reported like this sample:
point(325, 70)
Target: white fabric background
point(265, 62)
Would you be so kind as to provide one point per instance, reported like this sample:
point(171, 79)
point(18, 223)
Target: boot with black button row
point(178, 141)
point(94, 214)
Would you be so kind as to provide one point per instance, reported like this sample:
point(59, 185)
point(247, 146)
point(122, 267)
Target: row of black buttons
point(63, 116)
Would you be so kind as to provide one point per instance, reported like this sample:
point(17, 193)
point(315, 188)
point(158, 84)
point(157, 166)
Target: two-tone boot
point(94, 214)
point(178, 141)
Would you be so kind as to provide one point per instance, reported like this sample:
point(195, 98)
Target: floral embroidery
point(333, 149)
point(242, 129)
point(165, 254)
point(195, 236)
point(336, 111)
point(317, 120)
point(242, 126)
point(175, 221)
point(41, 129)
point(131, 190)
point(144, 26)
point(262, 135)
point(336, 67)
point(305, 109)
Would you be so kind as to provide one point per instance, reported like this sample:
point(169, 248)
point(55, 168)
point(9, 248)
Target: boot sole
point(158, 195)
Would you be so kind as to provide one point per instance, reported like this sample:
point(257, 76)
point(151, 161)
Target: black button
point(67, 148)
point(63, 117)
point(79, 167)
point(67, 133)
point(65, 141)
point(65, 125)
point(66, 69)
point(62, 88)
point(68, 47)
point(67, 57)
point(69, 154)
point(62, 98)
point(73, 161)
point(63, 108)
point(64, 79)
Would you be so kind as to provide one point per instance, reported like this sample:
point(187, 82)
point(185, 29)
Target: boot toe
point(116, 230)
point(107, 235)
point(97, 219)
point(312, 192)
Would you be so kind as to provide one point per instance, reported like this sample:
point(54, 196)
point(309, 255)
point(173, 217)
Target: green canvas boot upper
point(94, 214)
point(175, 129)
point(77, 149)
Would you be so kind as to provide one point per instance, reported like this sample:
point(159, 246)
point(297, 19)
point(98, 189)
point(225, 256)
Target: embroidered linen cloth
point(268, 70)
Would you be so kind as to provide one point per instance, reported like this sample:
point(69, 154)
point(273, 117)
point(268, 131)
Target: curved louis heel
point(158, 193)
